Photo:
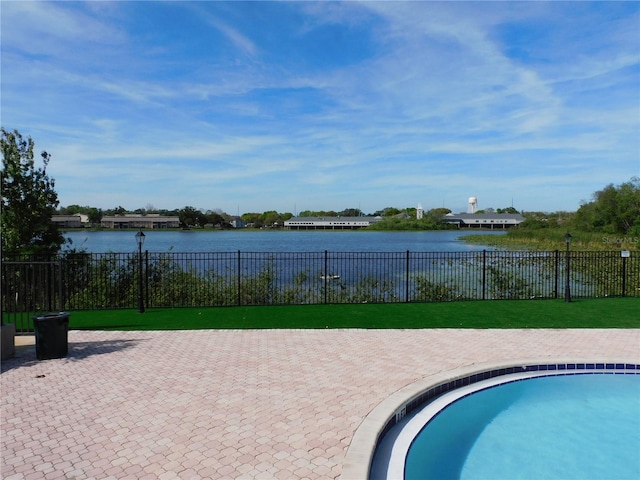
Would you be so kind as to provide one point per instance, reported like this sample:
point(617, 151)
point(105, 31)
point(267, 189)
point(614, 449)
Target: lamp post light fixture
point(140, 240)
point(567, 269)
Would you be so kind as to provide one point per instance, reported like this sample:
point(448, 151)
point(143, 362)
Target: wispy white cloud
point(404, 102)
point(51, 28)
point(239, 40)
point(242, 42)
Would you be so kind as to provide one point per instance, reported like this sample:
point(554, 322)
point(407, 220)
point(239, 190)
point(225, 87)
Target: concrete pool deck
point(254, 404)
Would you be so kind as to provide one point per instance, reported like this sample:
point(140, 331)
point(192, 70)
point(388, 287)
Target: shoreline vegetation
point(553, 239)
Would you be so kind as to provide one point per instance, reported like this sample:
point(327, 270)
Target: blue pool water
point(560, 427)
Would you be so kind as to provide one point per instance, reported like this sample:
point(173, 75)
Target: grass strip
point(581, 313)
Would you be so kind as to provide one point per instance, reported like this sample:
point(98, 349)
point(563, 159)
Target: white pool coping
point(392, 410)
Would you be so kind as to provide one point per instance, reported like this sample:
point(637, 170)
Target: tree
point(215, 218)
point(271, 218)
point(95, 215)
point(351, 212)
point(387, 212)
point(120, 210)
point(71, 210)
point(613, 209)
point(252, 219)
point(435, 215)
point(320, 213)
point(29, 199)
point(190, 217)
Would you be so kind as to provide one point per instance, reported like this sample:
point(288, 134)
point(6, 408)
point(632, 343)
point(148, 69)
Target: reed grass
point(549, 239)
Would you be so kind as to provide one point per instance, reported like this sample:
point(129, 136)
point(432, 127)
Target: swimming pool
point(583, 426)
point(486, 439)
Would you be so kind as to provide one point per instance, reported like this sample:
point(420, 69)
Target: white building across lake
point(329, 223)
point(484, 220)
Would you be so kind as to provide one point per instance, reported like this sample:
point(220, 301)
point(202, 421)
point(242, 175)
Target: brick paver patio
point(255, 404)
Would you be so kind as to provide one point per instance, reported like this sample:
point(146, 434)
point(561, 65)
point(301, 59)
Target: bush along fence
point(84, 281)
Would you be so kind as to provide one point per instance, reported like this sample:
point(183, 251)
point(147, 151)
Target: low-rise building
point(329, 223)
point(237, 222)
point(150, 221)
point(484, 220)
point(71, 221)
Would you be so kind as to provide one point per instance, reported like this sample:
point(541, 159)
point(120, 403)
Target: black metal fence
point(82, 281)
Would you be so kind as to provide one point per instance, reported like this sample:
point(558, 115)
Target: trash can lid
point(51, 315)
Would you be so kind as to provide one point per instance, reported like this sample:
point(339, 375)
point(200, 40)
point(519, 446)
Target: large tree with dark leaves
point(614, 209)
point(28, 200)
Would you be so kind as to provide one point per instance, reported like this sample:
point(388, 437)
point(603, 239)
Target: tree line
point(613, 210)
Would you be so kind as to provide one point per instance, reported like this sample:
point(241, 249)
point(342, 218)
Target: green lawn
point(582, 313)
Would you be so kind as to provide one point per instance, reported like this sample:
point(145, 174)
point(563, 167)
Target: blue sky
point(324, 106)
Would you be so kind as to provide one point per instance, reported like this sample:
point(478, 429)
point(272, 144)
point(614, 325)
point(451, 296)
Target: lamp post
point(567, 268)
point(140, 240)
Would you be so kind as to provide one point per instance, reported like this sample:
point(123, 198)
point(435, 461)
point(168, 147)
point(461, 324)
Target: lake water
point(276, 241)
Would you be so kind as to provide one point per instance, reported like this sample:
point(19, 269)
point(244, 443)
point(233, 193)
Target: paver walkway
point(235, 404)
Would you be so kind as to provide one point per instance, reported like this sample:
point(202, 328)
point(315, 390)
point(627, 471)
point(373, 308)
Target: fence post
point(146, 278)
point(49, 285)
point(406, 292)
point(325, 282)
point(557, 261)
point(60, 279)
point(239, 279)
point(624, 276)
point(484, 274)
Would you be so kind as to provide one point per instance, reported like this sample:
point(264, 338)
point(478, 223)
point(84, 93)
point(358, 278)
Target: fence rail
point(84, 281)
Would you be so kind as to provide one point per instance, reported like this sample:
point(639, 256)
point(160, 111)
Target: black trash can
point(51, 335)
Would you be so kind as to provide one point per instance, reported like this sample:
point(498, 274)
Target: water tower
point(473, 205)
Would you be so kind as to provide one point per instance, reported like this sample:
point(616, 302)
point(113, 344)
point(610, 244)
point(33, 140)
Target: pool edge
point(388, 412)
